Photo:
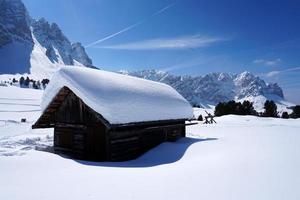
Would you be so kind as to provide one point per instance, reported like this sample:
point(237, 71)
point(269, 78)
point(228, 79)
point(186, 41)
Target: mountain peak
point(43, 45)
point(79, 54)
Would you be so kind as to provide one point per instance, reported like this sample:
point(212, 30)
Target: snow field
point(240, 157)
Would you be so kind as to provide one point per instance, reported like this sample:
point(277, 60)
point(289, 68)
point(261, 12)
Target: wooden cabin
point(87, 109)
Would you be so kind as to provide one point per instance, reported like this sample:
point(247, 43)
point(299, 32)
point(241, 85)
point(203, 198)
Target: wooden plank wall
point(78, 131)
point(129, 144)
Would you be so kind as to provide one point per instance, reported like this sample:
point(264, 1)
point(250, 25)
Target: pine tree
point(21, 81)
point(34, 86)
point(26, 82)
point(38, 85)
point(296, 112)
point(220, 109)
point(270, 109)
point(248, 108)
point(45, 82)
point(285, 115)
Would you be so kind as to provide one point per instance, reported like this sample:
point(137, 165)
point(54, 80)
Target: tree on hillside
point(270, 109)
point(220, 109)
point(248, 108)
point(285, 115)
point(26, 82)
point(21, 81)
point(38, 85)
point(236, 108)
point(34, 85)
point(45, 82)
point(296, 112)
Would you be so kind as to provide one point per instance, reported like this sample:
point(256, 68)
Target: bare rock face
point(14, 22)
point(19, 34)
point(79, 54)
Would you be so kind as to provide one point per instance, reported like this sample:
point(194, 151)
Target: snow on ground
point(16, 137)
point(241, 157)
point(202, 111)
point(17, 103)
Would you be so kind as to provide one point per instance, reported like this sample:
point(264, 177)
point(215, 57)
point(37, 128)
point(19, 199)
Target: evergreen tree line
point(235, 108)
point(246, 108)
point(27, 82)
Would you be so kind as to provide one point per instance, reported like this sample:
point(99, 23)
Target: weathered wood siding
point(129, 143)
point(74, 111)
point(78, 132)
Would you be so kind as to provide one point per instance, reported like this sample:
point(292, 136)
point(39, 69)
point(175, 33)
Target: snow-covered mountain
point(218, 87)
point(40, 48)
point(34, 46)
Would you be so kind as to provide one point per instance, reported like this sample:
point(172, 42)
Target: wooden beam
point(69, 125)
point(170, 126)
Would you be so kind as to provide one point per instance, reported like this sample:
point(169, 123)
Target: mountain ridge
point(216, 87)
point(23, 34)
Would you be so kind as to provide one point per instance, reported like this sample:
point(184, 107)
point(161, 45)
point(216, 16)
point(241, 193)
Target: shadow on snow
point(165, 153)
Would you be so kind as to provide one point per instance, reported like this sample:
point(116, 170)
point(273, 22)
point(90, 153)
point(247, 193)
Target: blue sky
point(192, 37)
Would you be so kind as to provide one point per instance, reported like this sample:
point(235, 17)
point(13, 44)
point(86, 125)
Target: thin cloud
point(164, 9)
point(114, 34)
point(271, 63)
point(132, 26)
point(183, 42)
point(275, 73)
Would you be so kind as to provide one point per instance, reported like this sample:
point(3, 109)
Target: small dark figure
point(200, 118)
point(23, 120)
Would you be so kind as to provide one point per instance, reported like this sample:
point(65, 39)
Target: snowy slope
point(258, 103)
point(17, 103)
point(41, 66)
point(238, 158)
point(118, 98)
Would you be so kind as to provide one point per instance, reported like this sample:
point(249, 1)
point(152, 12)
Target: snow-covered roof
point(119, 98)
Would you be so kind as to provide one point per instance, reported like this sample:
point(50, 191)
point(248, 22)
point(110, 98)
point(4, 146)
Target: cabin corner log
point(81, 132)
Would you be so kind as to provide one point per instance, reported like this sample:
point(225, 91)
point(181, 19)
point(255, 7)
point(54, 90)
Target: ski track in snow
point(17, 138)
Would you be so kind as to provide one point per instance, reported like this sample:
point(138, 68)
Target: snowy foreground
point(238, 158)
